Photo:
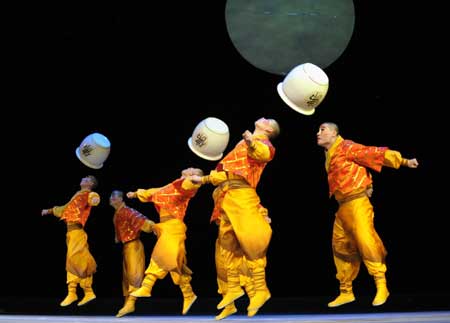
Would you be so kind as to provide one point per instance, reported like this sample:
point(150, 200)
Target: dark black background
point(146, 75)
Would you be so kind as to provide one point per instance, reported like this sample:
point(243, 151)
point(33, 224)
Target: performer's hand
point(131, 195)
point(248, 137)
point(148, 226)
point(46, 212)
point(195, 179)
point(369, 191)
point(413, 163)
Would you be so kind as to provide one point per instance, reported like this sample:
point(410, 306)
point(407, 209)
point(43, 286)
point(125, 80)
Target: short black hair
point(93, 180)
point(117, 193)
point(333, 125)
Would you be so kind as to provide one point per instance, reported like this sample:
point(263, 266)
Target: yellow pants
point(222, 258)
point(355, 240)
point(177, 278)
point(133, 266)
point(241, 209)
point(234, 269)
point(169, 253)
point(79, 261)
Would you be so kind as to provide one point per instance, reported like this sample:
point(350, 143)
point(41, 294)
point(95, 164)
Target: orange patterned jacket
point(78, 208)
point(346, 163)
point(128, 223)
point(172, 199)
point(240, 163)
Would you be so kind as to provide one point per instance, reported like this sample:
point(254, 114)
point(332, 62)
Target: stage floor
point(410, 317)
point(399, 309)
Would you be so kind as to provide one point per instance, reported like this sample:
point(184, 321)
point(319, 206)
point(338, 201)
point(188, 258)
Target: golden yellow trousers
point(222, 258)
point(355, 239)
point(79, 261)
point(241, 209)
point(169, 253)
point(133, 265)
